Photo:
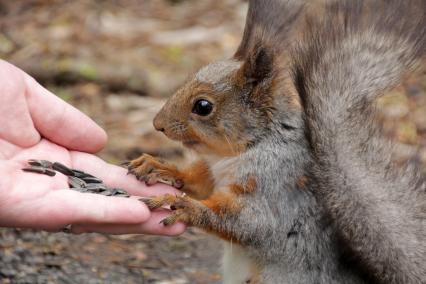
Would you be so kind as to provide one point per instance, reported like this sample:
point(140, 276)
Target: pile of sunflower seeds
point(77, 180)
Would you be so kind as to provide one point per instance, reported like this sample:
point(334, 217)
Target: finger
point(152, 227)
point(61, 207)
point(15, 120)
point(60, 122)
point(115, 176)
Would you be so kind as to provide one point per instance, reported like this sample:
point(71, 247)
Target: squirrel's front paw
point(152, 171)
point(186, 209)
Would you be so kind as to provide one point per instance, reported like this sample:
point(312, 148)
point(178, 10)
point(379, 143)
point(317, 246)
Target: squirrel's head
point(224, 108)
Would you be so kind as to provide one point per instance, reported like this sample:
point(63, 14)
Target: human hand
point(35, 124)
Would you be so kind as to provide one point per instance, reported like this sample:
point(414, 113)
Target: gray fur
point(378, 210)
point(217, 72)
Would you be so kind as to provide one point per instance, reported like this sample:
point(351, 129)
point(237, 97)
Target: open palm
point(35, 124)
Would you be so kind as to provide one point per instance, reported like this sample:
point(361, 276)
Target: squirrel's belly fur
point(237, 266)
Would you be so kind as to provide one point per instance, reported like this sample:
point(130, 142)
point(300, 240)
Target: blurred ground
point(117, 61)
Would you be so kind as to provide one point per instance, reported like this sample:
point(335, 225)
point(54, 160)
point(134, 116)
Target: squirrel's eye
point(202, 107)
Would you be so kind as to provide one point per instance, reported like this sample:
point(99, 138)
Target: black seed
point(76, 182)
point(96, 187)
point(40, 163)
point(79, 189)
point(91, 179)
point(122, 195)
point(62, 169)
point(81, 174)
point(119, 191)
point(50, 172)
point(40, 170)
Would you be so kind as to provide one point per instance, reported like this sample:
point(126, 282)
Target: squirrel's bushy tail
point(358, 49)
point(347, 59)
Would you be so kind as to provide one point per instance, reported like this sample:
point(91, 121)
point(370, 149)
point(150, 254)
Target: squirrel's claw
point(158, 201)
point(151, 203)
point(185, 209)
point(151, 170)
point(170, 220)
point(180, 215)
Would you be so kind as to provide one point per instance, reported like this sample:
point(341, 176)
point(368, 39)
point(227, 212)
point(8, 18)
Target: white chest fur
point(237, 265)
point(223, 170)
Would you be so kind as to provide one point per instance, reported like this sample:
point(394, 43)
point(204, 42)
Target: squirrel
point(290, 172)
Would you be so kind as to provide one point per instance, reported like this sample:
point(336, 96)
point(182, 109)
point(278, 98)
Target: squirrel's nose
point(158, 124)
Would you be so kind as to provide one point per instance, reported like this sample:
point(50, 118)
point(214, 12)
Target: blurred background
point(118, 61)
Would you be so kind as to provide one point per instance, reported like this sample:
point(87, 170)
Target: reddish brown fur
point(302, 182)
point(251, 184)
point(249, 187)
point(236, 189)
point(222, 203)
point(198, 180)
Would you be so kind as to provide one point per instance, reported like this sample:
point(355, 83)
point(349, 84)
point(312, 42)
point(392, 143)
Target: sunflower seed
point(91, 179)
point(76, 182)
point(80, 189)
point(106, 193)
point(118, 191)
point(81, 174)
point(40, 170)
point(96, 187)
point(40, 163)
point(62, 169)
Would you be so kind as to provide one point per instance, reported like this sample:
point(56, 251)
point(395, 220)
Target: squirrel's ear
point(258, 65)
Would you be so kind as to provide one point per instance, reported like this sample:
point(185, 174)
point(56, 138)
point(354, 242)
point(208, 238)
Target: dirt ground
point(118, 61)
